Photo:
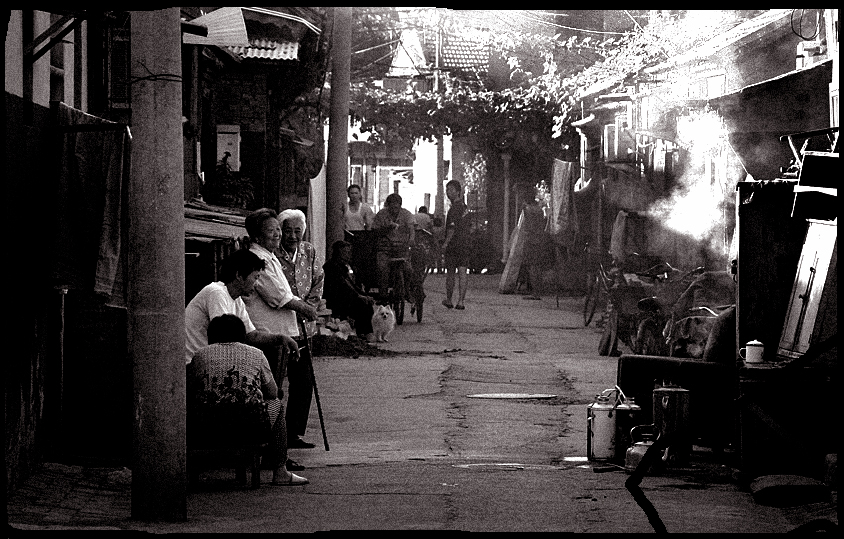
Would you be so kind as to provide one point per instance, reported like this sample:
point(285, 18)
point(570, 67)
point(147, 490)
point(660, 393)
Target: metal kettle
point(643, 437)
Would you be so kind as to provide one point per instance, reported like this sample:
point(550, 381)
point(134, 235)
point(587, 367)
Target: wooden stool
point(245, 456)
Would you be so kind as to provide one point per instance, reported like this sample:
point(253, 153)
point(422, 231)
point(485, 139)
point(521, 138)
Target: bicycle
point(396, 290)
point(650, 338)
point(598, 293)
point(419, 255)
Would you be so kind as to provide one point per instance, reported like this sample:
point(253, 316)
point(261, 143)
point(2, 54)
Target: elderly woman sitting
point(225, 355)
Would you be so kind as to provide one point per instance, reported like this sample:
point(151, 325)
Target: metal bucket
point(671, 417)
point(608, 423)
point(600, 428)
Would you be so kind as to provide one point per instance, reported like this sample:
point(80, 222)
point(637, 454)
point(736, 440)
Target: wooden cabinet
point(769, 244)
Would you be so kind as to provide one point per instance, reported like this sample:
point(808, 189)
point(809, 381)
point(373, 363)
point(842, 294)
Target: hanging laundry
point(91, 190)
point(562, 224)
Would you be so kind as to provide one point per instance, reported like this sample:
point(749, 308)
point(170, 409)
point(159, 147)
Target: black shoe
point(298, 443)
point(293, 466)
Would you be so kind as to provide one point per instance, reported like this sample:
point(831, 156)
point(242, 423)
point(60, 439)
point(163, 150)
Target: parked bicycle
point(599, 282)
point(655, 313)
point(624, 286)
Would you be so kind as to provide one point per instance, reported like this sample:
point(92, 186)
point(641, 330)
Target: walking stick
point(313, 379)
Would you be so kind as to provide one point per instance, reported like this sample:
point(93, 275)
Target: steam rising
point(696, 208)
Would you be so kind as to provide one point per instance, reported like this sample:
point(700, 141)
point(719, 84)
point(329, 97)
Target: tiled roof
point(460, 53)
point(265, 49)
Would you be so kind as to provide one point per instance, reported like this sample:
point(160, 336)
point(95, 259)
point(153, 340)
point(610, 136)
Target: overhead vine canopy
point(548, 74)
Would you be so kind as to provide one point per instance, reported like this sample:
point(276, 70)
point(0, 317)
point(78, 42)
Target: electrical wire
point(799, 31)
point(358, 70)
point(377, 46)
point(549, 23)
point(166, 77)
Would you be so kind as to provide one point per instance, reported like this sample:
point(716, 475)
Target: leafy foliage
point(374, 34)
point(540, 105)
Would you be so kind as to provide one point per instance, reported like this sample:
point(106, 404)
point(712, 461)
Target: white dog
point(383, 322)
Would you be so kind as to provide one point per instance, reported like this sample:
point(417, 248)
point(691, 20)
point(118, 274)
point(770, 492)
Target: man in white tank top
point(357, 214)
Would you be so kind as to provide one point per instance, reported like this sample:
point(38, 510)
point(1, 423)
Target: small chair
point(242, 456)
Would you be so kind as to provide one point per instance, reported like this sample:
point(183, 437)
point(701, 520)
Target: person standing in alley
point(273, 306)
point(302, 268)
point(456, 245)
point(424, 219)
point(357, 214)
point(536, 244)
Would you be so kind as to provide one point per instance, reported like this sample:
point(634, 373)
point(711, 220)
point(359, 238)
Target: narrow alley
point(412, 447)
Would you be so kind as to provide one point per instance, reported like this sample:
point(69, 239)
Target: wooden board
point(510, 275)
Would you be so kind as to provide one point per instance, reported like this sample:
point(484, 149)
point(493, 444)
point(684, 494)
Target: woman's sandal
point(293, 481)
point(448, 304)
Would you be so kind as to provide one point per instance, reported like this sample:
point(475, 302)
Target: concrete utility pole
point(157, 268)
point(505, 222)
point(439, 201)
point(337, 169)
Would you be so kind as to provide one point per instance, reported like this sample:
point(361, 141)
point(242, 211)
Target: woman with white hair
point(303, 270)
point(273, 305)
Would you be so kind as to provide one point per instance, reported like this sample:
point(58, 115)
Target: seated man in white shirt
point(239, 273)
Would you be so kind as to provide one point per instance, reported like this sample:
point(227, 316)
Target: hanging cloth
point(91, 190)
point(562, 224)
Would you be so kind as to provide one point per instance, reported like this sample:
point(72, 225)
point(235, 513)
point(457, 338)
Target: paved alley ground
point(411, 449)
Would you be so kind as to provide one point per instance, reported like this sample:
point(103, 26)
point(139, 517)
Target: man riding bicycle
point(396, 235)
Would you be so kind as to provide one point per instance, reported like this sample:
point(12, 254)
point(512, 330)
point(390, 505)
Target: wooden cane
point(313, 380)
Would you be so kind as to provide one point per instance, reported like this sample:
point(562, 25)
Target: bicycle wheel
point(649, 339)
point(397, 302)
point(590, 303)
point(608, 345)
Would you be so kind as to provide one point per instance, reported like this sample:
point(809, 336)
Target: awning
point(208, 223)
point(757, 115)
point(267, 49)
point(273, 37)
point(226, 27)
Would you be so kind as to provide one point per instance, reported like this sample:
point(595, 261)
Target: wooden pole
point(439, 200)
point(505, 222)
point(156, 312)
point(337, 169)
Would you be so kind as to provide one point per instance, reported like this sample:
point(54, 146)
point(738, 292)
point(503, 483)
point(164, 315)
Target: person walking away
point(456, 245)
point(356, 213)
point(226, 351)
point(303, 270)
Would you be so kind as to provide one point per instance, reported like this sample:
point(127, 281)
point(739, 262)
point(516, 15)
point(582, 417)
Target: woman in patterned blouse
point(303, 270)
point(225, 351)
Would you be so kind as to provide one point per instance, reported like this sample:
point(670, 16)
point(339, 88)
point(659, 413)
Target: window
point(715, 86)
point(57, 66)
point(117, 73)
